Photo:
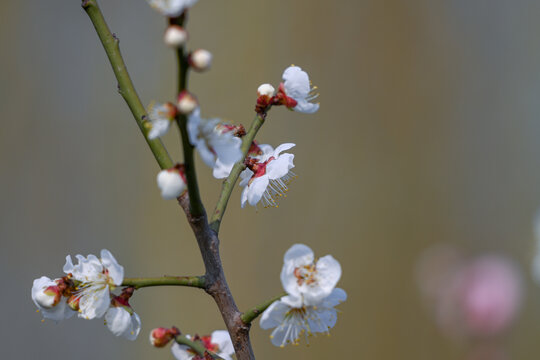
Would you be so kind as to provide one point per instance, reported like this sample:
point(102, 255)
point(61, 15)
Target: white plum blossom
point(160, 117)
point(218, 343)
point(267, 178)
point(297, 87)
point(306, 279)
point(171, 182)
point(292, 320)
point(171, 8)
point(215, 142)
point(49, 299)
point(123, 321)
point(309, 306)
point(97, 277)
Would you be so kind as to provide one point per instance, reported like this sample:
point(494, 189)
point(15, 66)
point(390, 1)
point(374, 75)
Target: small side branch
point(253, 313)
point(125, 85)
point(191, 281)
point(228, 184)
point(197, 347)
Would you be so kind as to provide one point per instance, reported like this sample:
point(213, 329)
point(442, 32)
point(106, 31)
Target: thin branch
point(125, 85)
point(192, 281)
point(254, 312)
point(196, 346)
point(196, 206)
point(228, 184)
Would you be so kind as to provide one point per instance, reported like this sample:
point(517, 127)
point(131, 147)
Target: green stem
point(125, 85)
point(253, 313)
point(196, 346)
point(192, 281)
point(195, 202)
point(228, 184)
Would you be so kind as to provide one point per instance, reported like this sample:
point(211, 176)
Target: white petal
point(68, 267)
point(223, 340)
point(58, 312)
point(282, 148)
point(328, 274)
point(292, 301)
point(118, 320)
point(273, 316)
point(116, 271)
point(180, 352)
point(296, 82)
point(221, 170)
point(171, 8)
point(267, 152)
point(280, 167)
point(306, 107)
point(159, 128)
point(256, 189)
point(321, 320)
point(336, 297)
point(194, 120)
point(228, 149)
point(298, 255)
point(244, 197)
point(245, 176)
point(94, 303)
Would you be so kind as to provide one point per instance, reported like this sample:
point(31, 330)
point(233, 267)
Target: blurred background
point(428, 133)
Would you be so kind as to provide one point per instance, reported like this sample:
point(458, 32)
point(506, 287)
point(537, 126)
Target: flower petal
point(278, 168)
point(223, 340)
point(256, 189)
point(94, 303)
point(116, 271)
point(282, 148)
point(273, 316)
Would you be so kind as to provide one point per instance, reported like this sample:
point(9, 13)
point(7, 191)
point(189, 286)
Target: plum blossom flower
point(309, 307)
point(292, 320)
point(218, 343)
point(48, 297)
point(97, 277)
point(160, 117)
point(160, 337)
point(267, 178)
point(171, 8)
point(304, 278)
point(123, 321)
point(215, 141)
point(296, 91)
point(172, 182)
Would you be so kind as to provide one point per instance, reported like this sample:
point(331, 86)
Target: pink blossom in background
point(470, 298)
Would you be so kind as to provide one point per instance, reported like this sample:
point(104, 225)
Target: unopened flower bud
point(175, 36)
point(265, 90)
point(171, 182)
point(73, 302)
point(186, 103)
point(160, 337)
point(200, 60)
point(48, 297)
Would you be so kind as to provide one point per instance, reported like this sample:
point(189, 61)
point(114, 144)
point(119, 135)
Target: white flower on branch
point(218, 343)
point(123, 321)
point(266, 178)
point(304, 278)
point(47, 295)
point(160, 117)
point(217, 143)
point(171, 8)
point(292, 320)
point(97, 278)
point(172, 182)
point(296, 91)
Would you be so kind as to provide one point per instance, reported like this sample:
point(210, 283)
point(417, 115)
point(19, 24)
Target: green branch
point(253, 313)
point(125, 85)
point(196, 346)
point(193, 281)
point(228, 184)
point(195, 202)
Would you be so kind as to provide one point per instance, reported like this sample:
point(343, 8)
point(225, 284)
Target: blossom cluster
point(218, 343)
point(309, 306)
point(87, 290)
